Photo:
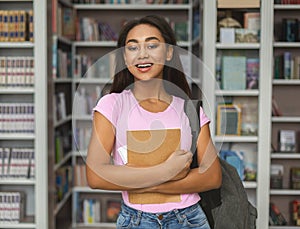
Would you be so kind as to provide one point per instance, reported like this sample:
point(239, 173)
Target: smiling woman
point(144, 116)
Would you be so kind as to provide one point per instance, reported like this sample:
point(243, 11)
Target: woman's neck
point(151, 90)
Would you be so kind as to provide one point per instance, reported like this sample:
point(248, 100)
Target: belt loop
point(178, 216)
point(138, 217)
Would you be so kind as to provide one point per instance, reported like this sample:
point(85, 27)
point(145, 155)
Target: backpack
point(228, 206)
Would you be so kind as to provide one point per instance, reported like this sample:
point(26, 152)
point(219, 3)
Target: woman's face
point(146, 52)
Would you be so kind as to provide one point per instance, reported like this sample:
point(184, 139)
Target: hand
point(179, 164)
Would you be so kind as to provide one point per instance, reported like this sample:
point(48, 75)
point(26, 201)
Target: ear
point(169, 53)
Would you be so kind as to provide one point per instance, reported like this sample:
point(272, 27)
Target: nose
point(143, 53)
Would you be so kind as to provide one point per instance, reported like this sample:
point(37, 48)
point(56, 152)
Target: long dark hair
point(173, 71)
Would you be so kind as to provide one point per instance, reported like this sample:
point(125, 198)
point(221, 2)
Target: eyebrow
point(147, 39)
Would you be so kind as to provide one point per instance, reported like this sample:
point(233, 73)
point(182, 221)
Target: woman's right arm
point(102, 174)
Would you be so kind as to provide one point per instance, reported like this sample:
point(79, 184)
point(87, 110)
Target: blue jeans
point(190, 217)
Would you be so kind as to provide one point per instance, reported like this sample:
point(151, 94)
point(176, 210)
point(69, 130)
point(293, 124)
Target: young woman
point(148, 93)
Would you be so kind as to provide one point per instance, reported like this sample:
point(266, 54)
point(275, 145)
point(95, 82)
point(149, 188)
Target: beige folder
point(147, 148)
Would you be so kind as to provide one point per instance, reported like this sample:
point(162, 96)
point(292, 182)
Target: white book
point(1, 164)
point(2, 217)
point(14, 207)
point(6, 156)
point(7, 206)
point(32, 164)
point(9, 71)
point(13, 164)
point(97, 211)
point(62, 105)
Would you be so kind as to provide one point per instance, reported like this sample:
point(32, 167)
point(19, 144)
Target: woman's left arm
point(206, 177)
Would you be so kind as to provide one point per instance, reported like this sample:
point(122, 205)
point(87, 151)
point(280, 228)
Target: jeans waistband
point(159, 215)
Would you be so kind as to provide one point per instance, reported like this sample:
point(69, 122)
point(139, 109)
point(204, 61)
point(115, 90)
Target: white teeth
point(144, 65)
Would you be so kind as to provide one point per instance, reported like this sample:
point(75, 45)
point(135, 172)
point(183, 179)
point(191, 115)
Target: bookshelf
point(255, 102)
point(22, 93)
point(90, 85)
point(60, 98)
point(285, 81)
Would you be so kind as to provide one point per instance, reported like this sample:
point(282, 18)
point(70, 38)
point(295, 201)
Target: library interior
point(241, 59)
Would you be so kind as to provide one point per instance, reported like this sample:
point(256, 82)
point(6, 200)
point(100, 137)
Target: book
point(276, 111)
point(276, 176)
point(148, 148)
point(252, 21)
point(229, 119)
point(233, 73)
point(252, 78)
point(113, 208)
point(286, 140)
point(295, 212)
point(295, 178)
point(296, 70)
point(287, 58)
point(246, 36)
point(276, 217)
point(290, 29)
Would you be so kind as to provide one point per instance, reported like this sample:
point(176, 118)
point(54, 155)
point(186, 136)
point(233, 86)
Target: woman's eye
point(152, 46)
point(132, 48)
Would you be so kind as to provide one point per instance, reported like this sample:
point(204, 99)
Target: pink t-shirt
point(125, 113)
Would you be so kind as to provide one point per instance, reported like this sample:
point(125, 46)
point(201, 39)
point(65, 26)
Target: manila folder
point(148, 148)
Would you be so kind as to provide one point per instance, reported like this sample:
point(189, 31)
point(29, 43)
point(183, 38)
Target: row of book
point(90, 210)
point(80, 175)
point(63, 143)
point(237, 72)
point(90, 29)
point(63, 21)
point(17, 118)
point(287, 2)
point(247, 31)
point(130, 1)
point(85, 100)
point(89, 67)
point(17, 163)
point(63, 182)
point(278, 219)
point(286, 66)
point(277, 173)
point(290, 29)
point(16, 71)
point(82, 138)
point(237, 116)
point(16, 25)
point(12, 207)
point(61, 63)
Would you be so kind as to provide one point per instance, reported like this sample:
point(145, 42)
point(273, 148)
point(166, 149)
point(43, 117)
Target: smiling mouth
point(143, 65)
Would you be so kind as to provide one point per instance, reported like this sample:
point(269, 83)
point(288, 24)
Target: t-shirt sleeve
point(203, 118)
point(107, 106)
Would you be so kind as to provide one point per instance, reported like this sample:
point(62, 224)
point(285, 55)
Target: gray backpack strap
point(192, 109)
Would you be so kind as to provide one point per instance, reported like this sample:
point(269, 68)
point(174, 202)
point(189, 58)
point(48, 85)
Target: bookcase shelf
point(17, 45)
point(236, 138)
point(279, 155)
point(287, 192)
point(255, 146)
point(30, 142)
point(123, 7)
point(290, 118)
point(237, 92)
point(238, 46)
